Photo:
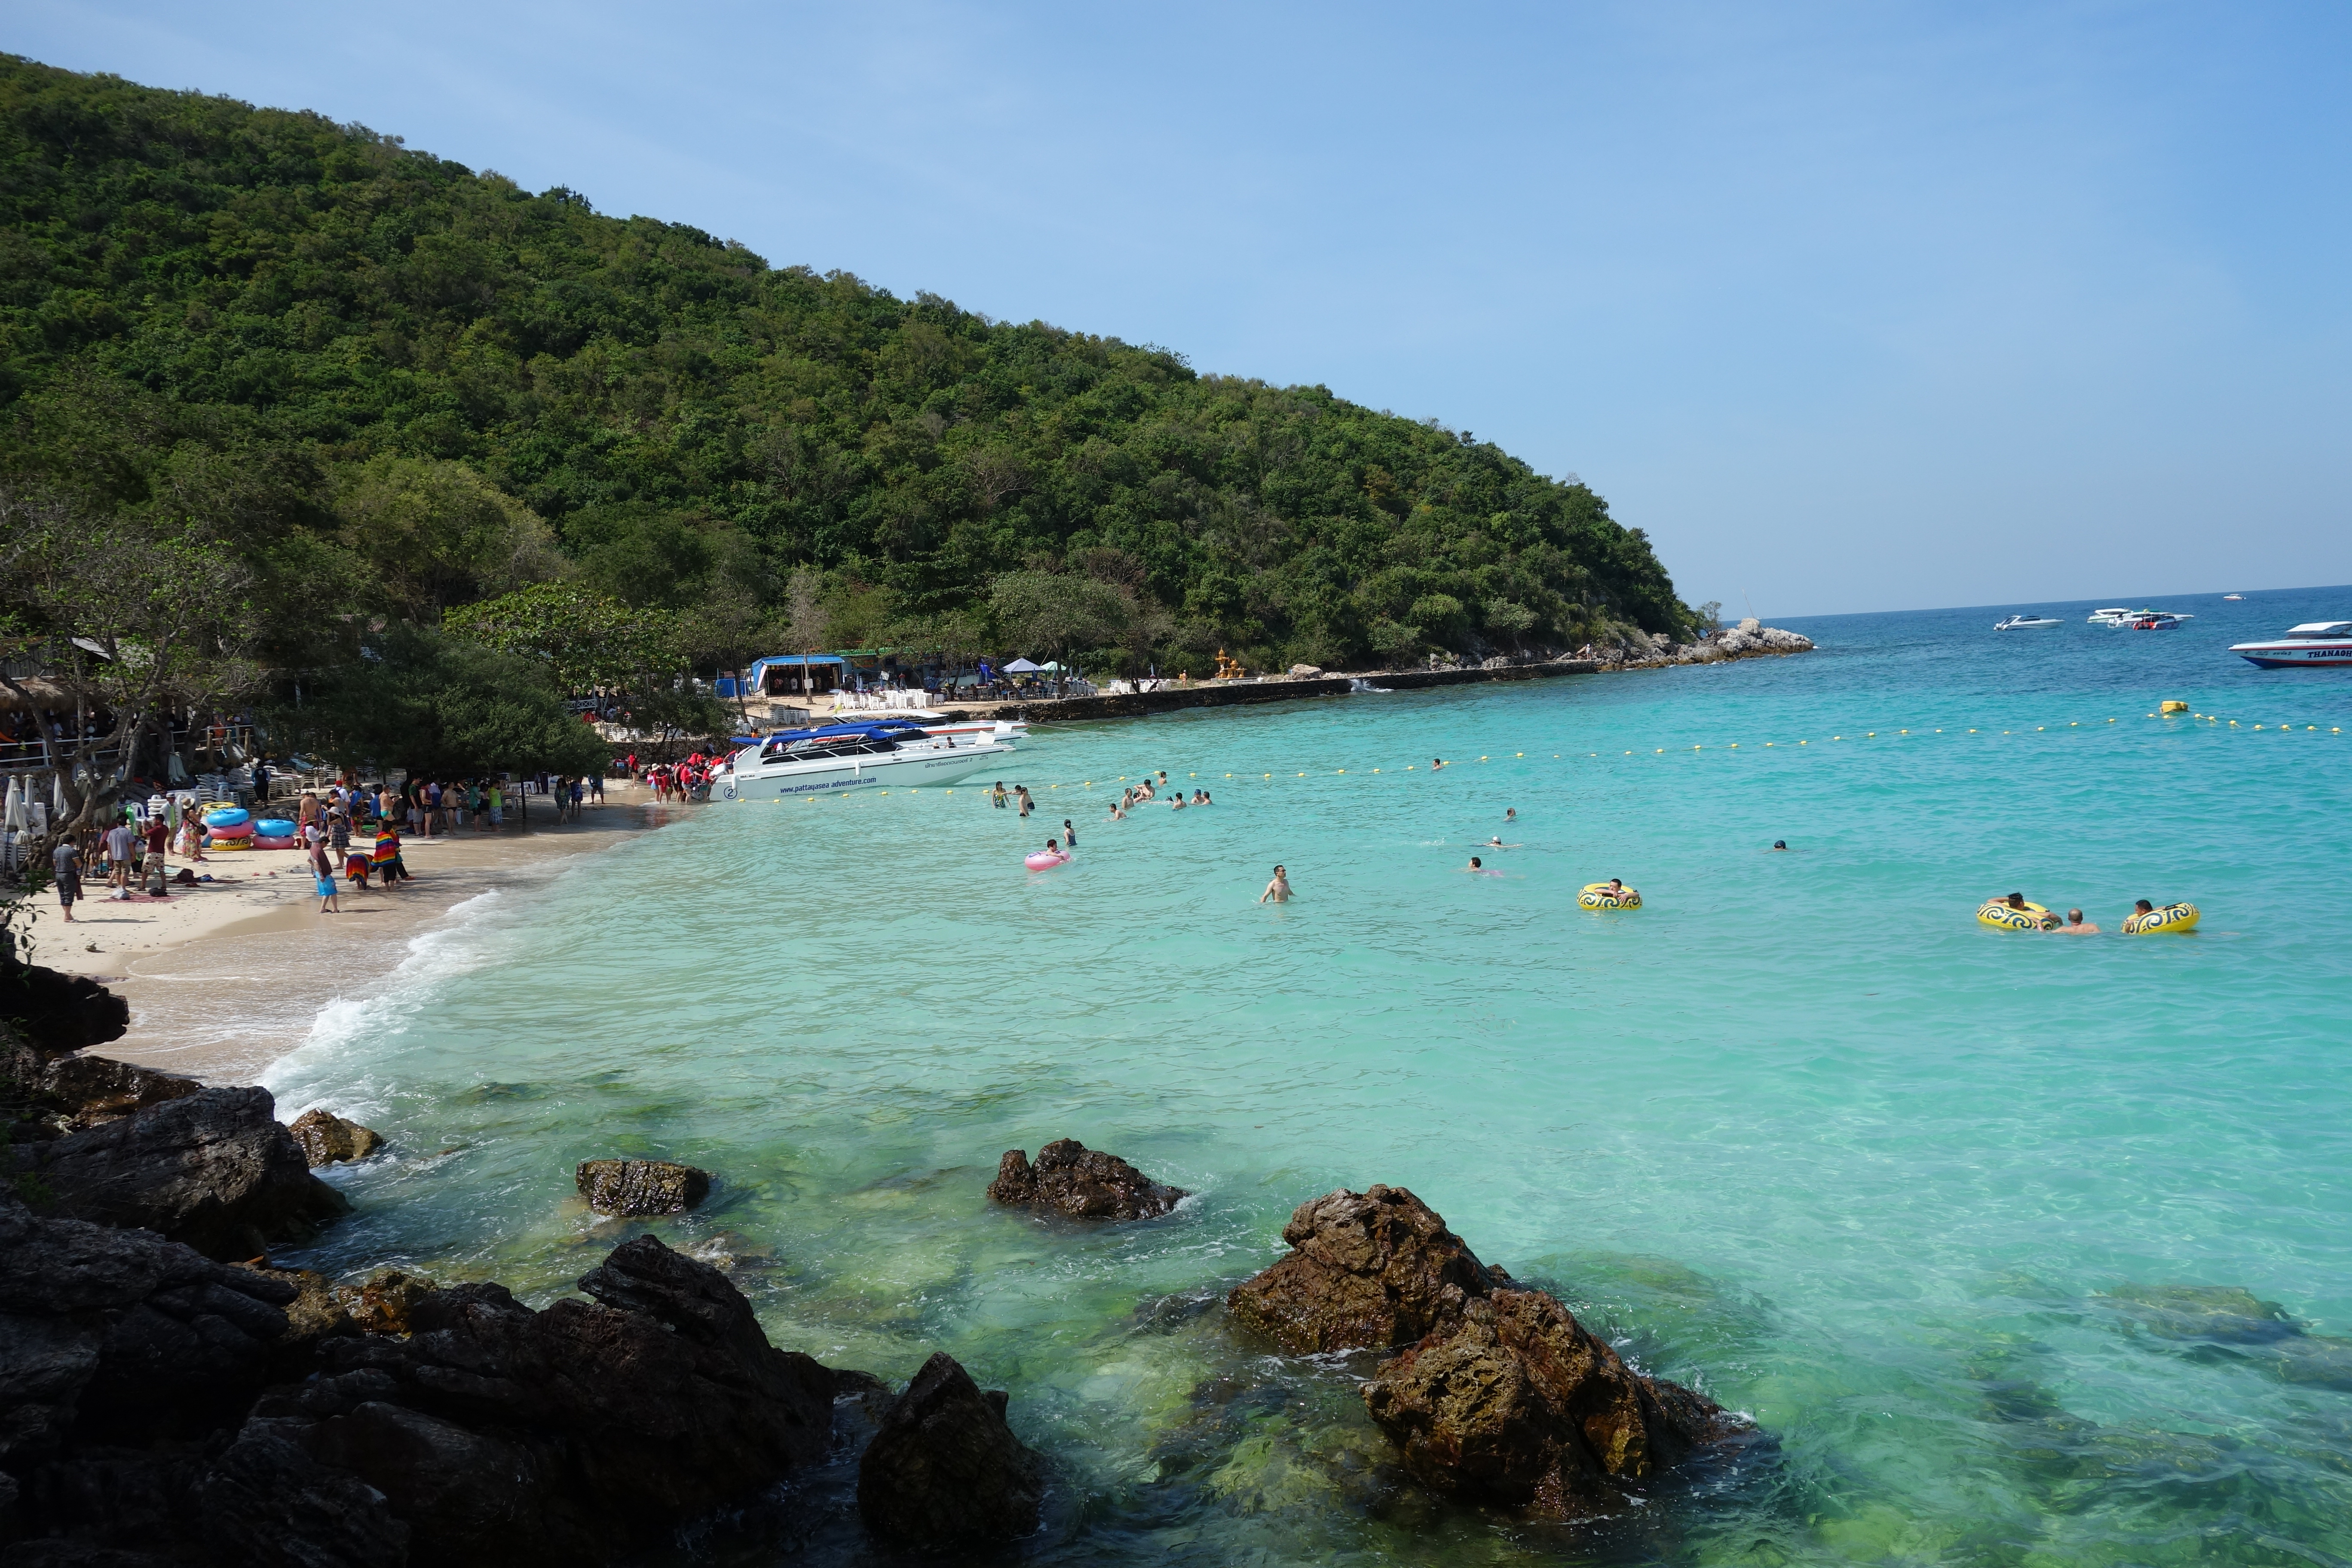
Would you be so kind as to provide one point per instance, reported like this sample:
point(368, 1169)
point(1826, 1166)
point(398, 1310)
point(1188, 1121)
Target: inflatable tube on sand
point(2171, 917)
point(273, 827)
point(1597, 896)
point(228, 817)
point(228, 831)
point(2033, 917)
point(1041, 861)
point(219, 845)
point(272, 841)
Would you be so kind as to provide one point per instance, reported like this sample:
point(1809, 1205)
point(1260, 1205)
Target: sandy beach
point(224, 977)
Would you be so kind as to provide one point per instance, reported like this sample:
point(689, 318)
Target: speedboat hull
point(2297, 654)
point(901, 769)
point(2314, 645)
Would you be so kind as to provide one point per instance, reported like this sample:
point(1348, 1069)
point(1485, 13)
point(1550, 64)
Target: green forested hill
point(401, 386)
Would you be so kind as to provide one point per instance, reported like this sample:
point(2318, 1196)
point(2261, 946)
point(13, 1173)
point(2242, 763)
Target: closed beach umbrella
point(12, 817)
point(57, 796)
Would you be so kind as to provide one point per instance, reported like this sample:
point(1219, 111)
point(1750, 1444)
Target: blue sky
point(1852, 307)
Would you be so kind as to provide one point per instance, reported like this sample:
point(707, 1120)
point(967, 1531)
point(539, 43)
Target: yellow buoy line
point(2172, 711)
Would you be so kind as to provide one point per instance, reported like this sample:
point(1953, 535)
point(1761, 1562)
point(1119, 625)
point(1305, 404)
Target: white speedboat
point(2115, 615)
point(2233, 596)
point(2312, 643)
point(832, 758)
point(2157, 621)
point(2022, 623)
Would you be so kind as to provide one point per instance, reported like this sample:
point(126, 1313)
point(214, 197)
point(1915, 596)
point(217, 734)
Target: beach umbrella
point(58, 797)
point(12, 816)
point(1021, 666)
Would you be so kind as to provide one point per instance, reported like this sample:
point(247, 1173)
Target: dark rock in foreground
point(1373, 1271)
point(637, 1187)
point(1519, 1405)
point(60, 1014)
point(77, 1091)
point(327, 1139)
point(213, 1169)
point(1500, 1394)
point(121, 1338)
point(142, 1426)
point(945, 1471)
point(1084, 1184)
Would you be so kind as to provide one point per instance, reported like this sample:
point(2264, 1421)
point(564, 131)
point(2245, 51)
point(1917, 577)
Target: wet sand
point(224, 980)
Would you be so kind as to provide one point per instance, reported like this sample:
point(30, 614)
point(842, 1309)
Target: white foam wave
point(343, 1024)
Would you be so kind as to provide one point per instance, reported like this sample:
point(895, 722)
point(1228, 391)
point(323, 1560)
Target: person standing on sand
point(66, 858)
point(118, 858)
point(159, 838)
point(323, 870)
point(497, 802)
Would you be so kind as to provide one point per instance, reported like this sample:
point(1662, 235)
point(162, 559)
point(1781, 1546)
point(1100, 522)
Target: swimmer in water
point(1435, 763)
point(1496, 842)
point(2077, 926)
point(1617, 890)
point(1780, 844)
point(1052, 847)
point(1178, 803)
point(1510, 813)
point(1278, 890)
point(1069, 834)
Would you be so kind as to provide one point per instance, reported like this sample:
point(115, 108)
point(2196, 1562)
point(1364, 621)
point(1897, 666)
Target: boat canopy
point(868, 730)
point(2321, 629)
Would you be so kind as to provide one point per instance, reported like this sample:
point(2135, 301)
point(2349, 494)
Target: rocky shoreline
point(168, 1399)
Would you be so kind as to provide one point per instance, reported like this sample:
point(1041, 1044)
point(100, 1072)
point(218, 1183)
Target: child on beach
point(324, 871)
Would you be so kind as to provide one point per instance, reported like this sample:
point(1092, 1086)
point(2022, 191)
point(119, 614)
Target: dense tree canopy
point(400, 386)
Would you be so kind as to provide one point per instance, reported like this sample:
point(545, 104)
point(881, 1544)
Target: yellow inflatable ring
point(1597, 896)
point(2171, 917)
point(2033, 917)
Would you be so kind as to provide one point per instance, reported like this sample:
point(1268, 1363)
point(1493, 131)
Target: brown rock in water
point(1516, 1404)
point(1084, 1184)
point(641, 1186)
point(381, 1303)
point(327, 1139)
point(213, 1169)
point(1372, 1271)
point(945, 1471)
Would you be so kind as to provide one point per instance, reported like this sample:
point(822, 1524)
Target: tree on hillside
point(441, 706)
point(437, 534)
point(1039, 612)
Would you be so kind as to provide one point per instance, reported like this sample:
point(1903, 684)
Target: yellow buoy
point(2170, 705)
point(2000, 913)
point(1598, 895)
point(2171, 917)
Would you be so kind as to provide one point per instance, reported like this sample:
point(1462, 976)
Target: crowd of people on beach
point(347, 831)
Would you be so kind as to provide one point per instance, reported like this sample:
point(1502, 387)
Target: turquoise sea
point(2022, 1249)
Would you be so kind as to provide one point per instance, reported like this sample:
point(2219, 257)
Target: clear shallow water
point(1976, 1225)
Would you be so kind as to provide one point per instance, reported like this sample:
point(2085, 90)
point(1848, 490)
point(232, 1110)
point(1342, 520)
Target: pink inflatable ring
point(1042, 861)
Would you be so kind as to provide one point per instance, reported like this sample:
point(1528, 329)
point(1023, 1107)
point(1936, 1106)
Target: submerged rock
point(1518, 1404)
point(944, 1469)
point(213, 1169)
point(638, 1187)
point(1372, 1271)
point(327, 1139)
point(1084, 1184)
point(381, 1303)
point(1500, 1394)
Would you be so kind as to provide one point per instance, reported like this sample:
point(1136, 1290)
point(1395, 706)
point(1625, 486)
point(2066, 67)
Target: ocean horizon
point(2016, 1248)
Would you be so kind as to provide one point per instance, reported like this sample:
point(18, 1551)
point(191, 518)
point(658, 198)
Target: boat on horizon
point(2313, 643)
point(2019, 623)
point(2158, 621)
point(2233, 596)
point(828, 759)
